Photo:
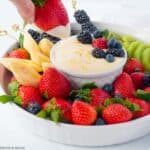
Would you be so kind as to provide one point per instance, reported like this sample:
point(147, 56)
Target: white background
point(134, 13)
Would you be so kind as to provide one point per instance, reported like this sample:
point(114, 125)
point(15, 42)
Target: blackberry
point(35, 35)
point(85, 37)
point(97, 34)
point(100, 121)
point(108, 88)
point(111, 51)
point(98, 53)
point(54, 39)
point(81, 16)
point(146, 80)
point(33, 108)
point(110, 58)
point(119, 53)
point(89, 27)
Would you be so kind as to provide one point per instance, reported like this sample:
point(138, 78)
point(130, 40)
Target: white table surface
point(132, 13)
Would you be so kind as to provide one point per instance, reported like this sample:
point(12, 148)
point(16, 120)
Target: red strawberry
point(19, 53)
point(51, 15)
point(83, 113)
point(147, 89)
point(137, 78)
point(98, 96)
point(100, 43)
point(116, 113)
point(29, 94)
point(124, 86)
point(145, 107)
point(63, 105)
point(54, 84)
point(133, 65)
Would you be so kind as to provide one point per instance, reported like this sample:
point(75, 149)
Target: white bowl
point(79, 79)
point(86, 135)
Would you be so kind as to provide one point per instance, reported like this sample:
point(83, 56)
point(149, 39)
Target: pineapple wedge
point(34, 50)
point(25, 71)
point(45, 46)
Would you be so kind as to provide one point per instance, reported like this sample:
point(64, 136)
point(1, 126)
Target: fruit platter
point(91, 88)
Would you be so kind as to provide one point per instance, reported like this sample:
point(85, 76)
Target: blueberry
point(118, 45)
point(110, 58)
point(53, 39)
point(119, 53)
point(98, 53)
point(146, 79)
point(81, 16)
point(111, 43)
point(85, 37)
point(97, 34)
point(33, 108)
point(100, 121)
point(35, 35)
point(89, 27)
point(108, 88)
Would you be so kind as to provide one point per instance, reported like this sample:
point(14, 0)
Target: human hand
point(26, 9)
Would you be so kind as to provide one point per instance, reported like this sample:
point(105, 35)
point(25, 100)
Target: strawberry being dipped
point(54, 84)
point(83, 113)
point(61, 107)
point(52, 17)
point(123, 86)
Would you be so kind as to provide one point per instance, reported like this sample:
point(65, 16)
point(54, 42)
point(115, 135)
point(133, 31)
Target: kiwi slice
point(146, 59)
point(132, 47)
point(128, 38)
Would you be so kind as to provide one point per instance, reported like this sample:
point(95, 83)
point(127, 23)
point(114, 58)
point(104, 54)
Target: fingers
point(26, 9)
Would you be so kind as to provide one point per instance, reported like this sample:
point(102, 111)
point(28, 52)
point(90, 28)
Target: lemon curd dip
point(71, 56)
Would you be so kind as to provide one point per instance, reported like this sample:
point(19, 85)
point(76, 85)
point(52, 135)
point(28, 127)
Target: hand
point(26, 9)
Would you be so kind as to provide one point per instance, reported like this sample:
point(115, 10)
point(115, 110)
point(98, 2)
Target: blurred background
point(134, 13)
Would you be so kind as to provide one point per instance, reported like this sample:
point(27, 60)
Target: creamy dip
point(72, 56)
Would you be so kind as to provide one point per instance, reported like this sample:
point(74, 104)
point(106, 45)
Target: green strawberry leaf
point(6, 99)
point(18, 100)
point(105, 33)
point(45, 95)
point(41, 114)
point(13, 88)
point(55, 115)
point(21, 40)
point(90, 86)
point(143, 95)
point(39, 3)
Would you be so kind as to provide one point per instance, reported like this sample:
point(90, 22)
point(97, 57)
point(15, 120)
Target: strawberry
point(51, 15)
point(147, 89)
point(54, 84)
point(124, 86)
point(100, 43)
point(19, 53)
point(29, 94)
point(145, 107)
point(83, 113)
point(116, 113)
point(98, 96)
point(137, 78)
point(133, 65)
point(63, 105)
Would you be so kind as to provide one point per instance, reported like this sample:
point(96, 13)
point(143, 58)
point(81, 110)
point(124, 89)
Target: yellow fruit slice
point(25, 73)
point(45, 46)
point(45, 66)
point(34, 50)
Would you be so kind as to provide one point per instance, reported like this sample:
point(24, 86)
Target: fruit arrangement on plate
point(40, 84)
